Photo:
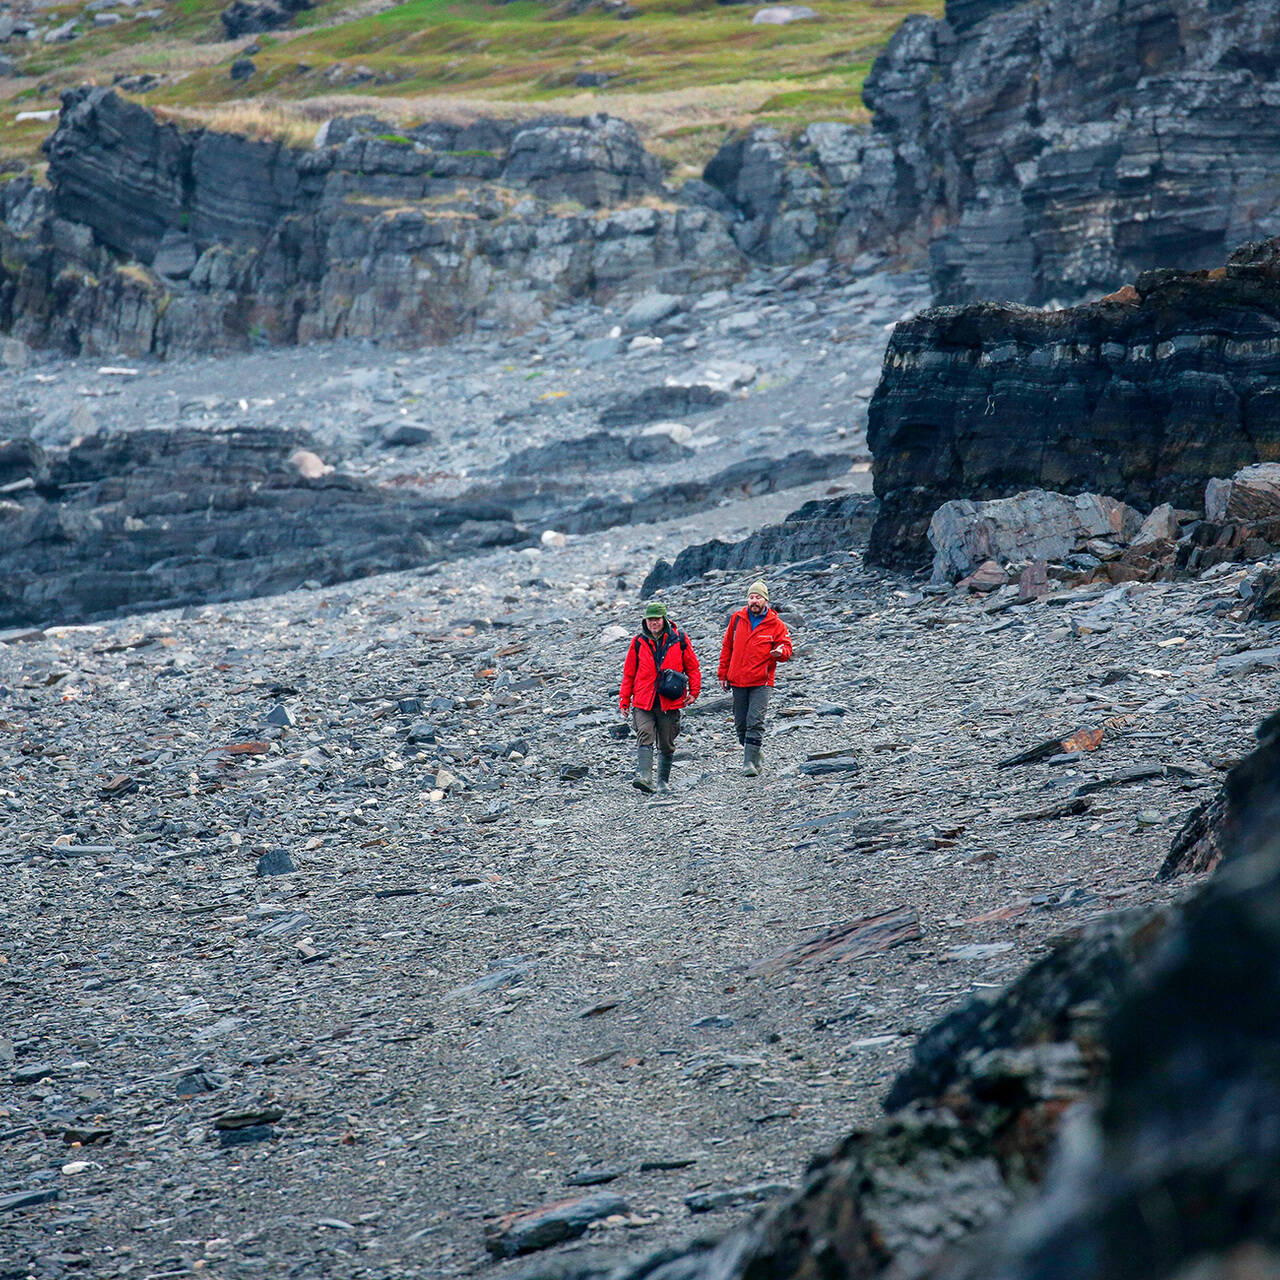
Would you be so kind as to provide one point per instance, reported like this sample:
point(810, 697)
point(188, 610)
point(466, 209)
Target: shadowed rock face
point(1162, 1028)
point(1144, 398)
point(1190, 1116)
point(154, 519)
point(245, 17)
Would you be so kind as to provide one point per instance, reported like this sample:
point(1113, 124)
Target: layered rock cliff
point(1144, 396)
point(1038, 151)
point(152, 238)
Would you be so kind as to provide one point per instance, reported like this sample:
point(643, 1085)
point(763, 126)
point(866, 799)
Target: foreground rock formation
point(1036, 151)
point(1144, 396)
point(825, 529)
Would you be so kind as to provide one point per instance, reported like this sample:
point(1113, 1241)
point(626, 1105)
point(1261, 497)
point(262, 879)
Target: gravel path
point(483, 979)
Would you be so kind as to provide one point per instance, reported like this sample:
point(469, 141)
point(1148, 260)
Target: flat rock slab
point(534, 1229)
point(26, 1199)
point(841, 764)
point(732, 1197)
point(1244, 664)
point(849, 941)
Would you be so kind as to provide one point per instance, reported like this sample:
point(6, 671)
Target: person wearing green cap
point(755, 641)
point(660, 676)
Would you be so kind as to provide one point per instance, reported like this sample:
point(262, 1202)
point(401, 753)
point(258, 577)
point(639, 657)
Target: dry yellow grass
point(269, 121)
point(682, 126)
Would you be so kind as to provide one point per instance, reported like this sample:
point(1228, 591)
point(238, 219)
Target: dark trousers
point(657, 727)
point(749, 707)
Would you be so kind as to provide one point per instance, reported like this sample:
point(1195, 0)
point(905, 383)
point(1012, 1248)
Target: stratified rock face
point(1241, 818)
point(1190, 1117)
point(1068, 145)
point(1045, 150)
point(1144, 397)
point(215, 238)
point(154, 519)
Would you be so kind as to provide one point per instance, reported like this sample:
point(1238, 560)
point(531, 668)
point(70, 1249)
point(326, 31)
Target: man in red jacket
point(660, 676)
point(754, 643)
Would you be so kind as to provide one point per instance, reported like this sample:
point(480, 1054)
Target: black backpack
point(672, 684)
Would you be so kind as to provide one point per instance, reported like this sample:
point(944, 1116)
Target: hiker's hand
point(625, 712)
point(724, 684)
point(776, 654)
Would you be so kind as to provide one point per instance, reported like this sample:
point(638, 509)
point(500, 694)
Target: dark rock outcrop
point(155, 519)
point(824, 527)
point(653, 404)
point(1191, 1117)
point(248, 17)
point(151, 238)
point(1239, 819)
point(556, 500)
point(1145, 397)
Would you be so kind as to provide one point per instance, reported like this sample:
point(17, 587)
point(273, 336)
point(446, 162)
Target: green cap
point(758, 588)
point(655, 609)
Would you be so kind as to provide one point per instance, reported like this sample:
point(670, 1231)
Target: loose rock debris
point(409, 998)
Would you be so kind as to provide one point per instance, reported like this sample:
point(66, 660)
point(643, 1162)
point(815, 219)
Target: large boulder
point(597, 161)
point(1026, 527)
point(248, 17)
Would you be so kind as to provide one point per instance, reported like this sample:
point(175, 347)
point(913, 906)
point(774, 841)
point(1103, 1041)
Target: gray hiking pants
point(657, 728)
point(749, 707)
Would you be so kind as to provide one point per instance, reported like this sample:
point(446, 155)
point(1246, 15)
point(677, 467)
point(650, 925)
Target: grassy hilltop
point(684, 71)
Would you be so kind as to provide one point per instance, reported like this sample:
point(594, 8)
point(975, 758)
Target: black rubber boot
point(751, 761)
point(664, 770)
point(643, 780)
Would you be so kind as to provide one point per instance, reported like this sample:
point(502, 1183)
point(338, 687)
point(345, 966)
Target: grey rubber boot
point(664, 770)
point(643, 780)
point(751, 761)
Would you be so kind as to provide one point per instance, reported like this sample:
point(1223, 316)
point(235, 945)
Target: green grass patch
point(685, 71)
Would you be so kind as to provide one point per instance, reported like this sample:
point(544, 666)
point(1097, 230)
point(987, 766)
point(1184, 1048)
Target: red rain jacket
point(640, 674)
point(744, 655)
